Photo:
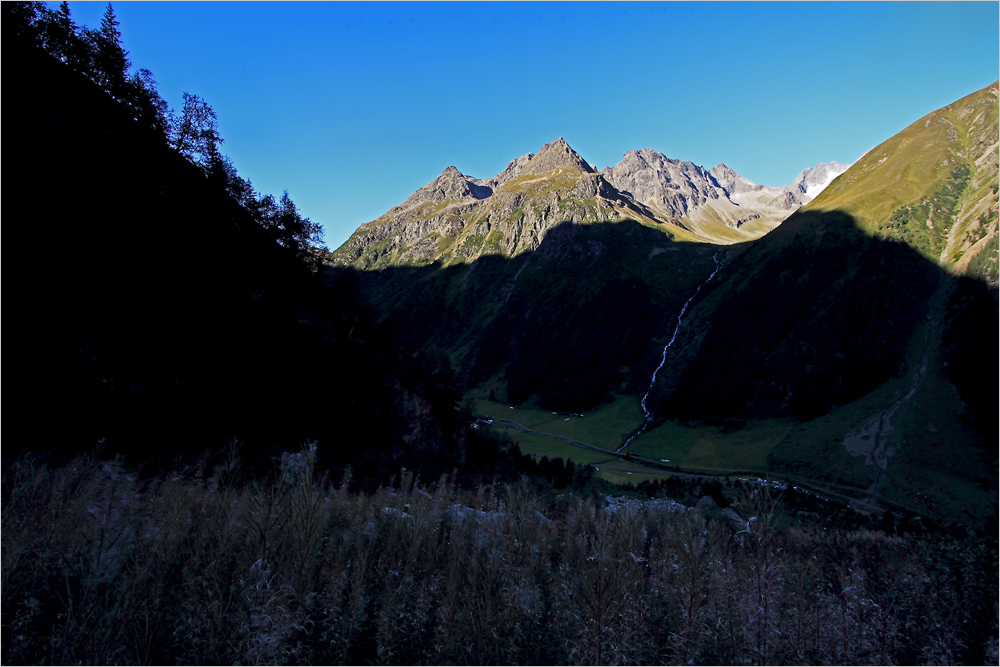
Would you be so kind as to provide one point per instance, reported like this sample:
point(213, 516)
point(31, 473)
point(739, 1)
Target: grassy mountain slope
point(933, 185)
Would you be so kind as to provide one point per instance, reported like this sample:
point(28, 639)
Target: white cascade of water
point(663, 360)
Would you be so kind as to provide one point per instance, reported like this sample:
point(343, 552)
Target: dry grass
point(100, 567)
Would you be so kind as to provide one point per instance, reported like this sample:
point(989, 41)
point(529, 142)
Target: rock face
point(673, 188)
point(555, 155)
point(715, 203)
point(451, 184)
point(733, 183)
point(744, 192)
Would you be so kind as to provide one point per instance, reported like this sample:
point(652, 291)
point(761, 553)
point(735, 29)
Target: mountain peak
point(554, 155)
point(723, 168)
point(731, 180)
point(451, 184)
point(673, 187)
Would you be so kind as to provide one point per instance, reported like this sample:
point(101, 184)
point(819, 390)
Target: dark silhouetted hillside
point(148, 311)
point(816, 314)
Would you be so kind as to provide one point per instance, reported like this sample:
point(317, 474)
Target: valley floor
point(762, 449)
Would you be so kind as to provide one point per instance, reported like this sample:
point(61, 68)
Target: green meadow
point(710, 449)
point(692, 448)
point(606, 427)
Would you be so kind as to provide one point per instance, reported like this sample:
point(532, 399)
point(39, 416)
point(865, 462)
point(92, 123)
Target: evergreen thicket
point(160, 315)
point(193, 132)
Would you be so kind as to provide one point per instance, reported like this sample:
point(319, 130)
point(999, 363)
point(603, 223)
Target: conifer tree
point(146, 105)
point(53, 30)
point(20, 20)
point(111, 63)
point(59, 32)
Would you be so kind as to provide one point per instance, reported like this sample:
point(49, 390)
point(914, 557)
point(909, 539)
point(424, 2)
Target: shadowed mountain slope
point(815, 314)
point(861, 327)
point(577, 318)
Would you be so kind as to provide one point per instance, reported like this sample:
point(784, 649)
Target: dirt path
point(874, 439)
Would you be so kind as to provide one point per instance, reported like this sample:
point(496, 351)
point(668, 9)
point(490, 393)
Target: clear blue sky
point(353, 106)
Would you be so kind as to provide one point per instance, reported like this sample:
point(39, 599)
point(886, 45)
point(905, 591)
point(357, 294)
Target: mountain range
point(444, 219)
point(861, 292)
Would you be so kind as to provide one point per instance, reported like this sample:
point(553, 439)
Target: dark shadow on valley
point(814, 315)
point(569, 322)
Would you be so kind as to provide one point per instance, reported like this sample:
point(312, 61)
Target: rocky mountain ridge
point(457, 217)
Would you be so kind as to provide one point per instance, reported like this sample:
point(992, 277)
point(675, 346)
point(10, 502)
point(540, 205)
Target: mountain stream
point(680, 319)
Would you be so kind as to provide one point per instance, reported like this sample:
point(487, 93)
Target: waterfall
point(663, 360)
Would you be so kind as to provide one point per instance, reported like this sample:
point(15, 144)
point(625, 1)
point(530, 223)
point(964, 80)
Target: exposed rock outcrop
point(672, 187)
point(451, 184)
point(814, 180)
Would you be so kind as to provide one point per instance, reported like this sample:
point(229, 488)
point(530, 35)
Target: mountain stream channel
point(680, 320)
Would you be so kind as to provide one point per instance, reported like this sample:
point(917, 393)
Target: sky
point(353, 106)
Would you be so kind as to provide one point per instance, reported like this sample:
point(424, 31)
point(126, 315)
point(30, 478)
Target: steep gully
point(680, 319)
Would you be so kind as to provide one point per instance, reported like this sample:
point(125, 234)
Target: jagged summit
point(554, 155)
point(731, 180)
point(671, 187)
point(451, 184)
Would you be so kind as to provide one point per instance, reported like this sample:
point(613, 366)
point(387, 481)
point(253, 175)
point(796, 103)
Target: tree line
point(193, 131)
